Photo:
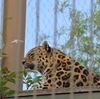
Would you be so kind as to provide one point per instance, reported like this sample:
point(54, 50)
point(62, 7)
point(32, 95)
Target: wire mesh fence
point(72, 26)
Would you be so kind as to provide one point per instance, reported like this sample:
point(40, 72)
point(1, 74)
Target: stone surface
point(77, 93)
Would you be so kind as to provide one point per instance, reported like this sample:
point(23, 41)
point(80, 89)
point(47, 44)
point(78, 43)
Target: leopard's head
point(38, 58)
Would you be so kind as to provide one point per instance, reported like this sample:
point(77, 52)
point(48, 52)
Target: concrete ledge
point(77, 93)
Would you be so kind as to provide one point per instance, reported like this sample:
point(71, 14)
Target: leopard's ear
point(46, 46)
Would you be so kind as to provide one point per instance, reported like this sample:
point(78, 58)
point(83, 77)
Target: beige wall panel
point(14, 28)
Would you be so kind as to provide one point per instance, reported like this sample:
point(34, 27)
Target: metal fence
point(69, 25)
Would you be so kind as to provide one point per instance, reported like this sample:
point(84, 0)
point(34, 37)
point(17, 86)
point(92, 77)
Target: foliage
point(78, 35)
point(4, 54)
point(29, 81)
point(7, 76)
point(82, 41)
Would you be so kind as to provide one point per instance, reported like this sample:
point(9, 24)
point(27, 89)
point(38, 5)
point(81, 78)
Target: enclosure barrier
point(14, 29)
point(60, 93)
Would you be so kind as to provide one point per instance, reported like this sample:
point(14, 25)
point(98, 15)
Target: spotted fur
point(58, 69)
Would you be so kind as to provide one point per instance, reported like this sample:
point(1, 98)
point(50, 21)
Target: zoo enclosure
point(14, 29)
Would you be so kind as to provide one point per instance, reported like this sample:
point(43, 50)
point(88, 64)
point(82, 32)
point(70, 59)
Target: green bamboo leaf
point(39, 82)
point(29, 77)
point(10, 92)
point(22, 71)
point(4, 88)
point(25, 73)
point(12, 80)
point(4, 54)
point(30, 81)
point(5, 70)
point(12, 74)
point(37, 79)
point(4, 82)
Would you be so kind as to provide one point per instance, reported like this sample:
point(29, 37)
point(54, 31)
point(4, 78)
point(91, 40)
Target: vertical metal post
point(14, 30)
point(55, 44)
point(37, 35)
point(91, 31)
point(91, 44)
point(55, 21)
point(73, 27)
point(37, 20)
point(72, 43)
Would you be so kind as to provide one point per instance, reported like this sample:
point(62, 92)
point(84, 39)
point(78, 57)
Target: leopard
point(57, 69)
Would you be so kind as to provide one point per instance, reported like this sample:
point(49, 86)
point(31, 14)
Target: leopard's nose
point(23, 62)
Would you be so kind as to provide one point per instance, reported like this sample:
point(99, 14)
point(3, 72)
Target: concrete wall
point(60, 93)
